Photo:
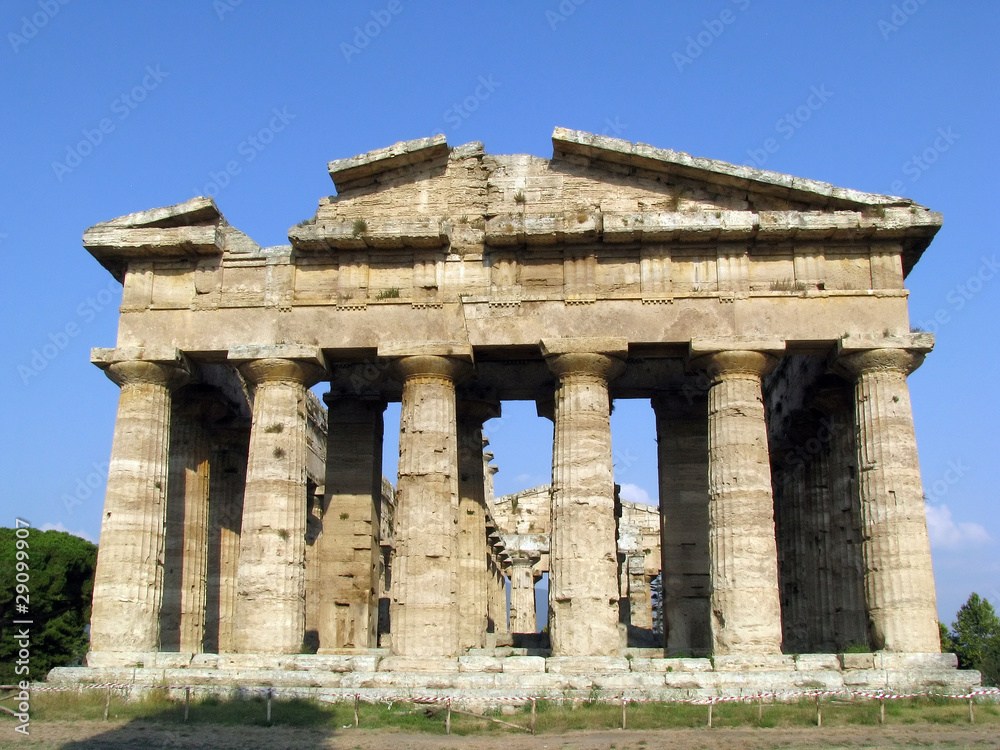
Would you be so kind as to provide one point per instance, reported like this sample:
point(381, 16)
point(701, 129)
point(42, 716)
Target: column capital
point(520, 558)
point(585, 364)
point(141, 372)
point(899, 361)
point(432, 366)
point(279, 370)
point(735, 363)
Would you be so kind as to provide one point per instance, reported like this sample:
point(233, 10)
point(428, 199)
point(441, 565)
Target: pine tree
point(976, 638)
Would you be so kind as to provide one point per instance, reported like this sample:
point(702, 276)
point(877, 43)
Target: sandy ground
point(95, 734)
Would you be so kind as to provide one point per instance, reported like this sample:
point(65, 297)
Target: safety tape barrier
point(328, 694)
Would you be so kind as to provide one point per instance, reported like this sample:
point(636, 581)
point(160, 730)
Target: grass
point(552, 717)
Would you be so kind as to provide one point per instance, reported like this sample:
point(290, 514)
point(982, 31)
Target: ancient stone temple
point(248, 533)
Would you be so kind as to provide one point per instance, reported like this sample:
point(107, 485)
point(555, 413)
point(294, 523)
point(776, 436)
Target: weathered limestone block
point(418, 664)
point(129, 576)
point(746, 611)
point(899, 579)
point(425, 607)
point(472, 548)
point(753, 662)
point(583, 584)
point(585, 664)
point(915, 662)
point(682, 453)
point(523, 664)
point(271, 576)
point(813, 662)
point(476, 663)
point(347, 549)
point(857, 661)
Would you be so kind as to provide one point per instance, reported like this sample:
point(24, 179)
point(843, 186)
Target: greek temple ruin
point(249, 534)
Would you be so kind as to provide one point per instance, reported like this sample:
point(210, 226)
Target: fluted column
point(847, 597)
point(129, 576)
point(348, 548)
point(746, 610)
point(583, 552)
point(424, 609)
point(899, 579)
point(522, 593)
point(471, 555)
point(228, 481)
point(182, 621)
point(271, 576)
point(682, 458)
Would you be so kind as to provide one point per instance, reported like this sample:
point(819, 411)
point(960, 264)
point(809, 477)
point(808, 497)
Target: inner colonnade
point(763, 318)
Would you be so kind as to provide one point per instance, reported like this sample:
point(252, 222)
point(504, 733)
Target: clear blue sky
point(181, 88)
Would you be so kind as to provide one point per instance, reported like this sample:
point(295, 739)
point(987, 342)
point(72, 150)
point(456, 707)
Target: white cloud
point(945, 533)
point(636, 494)
point(60, 527)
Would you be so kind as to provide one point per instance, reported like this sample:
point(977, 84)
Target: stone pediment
point(421, 194)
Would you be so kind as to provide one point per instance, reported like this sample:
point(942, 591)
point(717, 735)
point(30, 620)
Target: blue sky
point(115, 107)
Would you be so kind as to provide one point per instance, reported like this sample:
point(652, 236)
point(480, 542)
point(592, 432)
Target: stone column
point(471, 554)
point(746, 609)
point(583, 549)
point(348, 547)
point(522, 593)
point(228, 480)
point(271, 577)
point(788, 487)
point(682, 453)
point(640, 603)
point(182, 622)
point(850, 620)
point(899, 579)
point(129, 576)
point(424, 609)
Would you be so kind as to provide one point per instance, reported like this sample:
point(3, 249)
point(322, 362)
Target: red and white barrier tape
point(347, 694)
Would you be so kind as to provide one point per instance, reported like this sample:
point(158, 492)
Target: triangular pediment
point(424, 194)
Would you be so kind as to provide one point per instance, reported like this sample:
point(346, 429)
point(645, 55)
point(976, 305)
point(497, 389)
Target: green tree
point(976, 638)
point(947, 644)
point(60, 583)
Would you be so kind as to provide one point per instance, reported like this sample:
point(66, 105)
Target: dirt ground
point(95, 734)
